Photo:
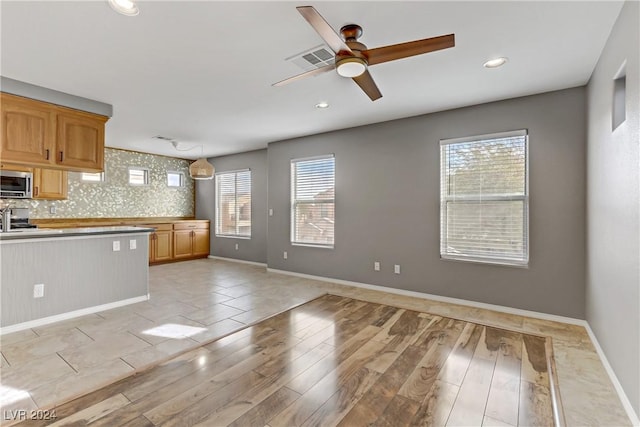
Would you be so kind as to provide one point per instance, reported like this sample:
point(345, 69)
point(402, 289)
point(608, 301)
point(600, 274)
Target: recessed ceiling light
point(125, 7)
point(495, 63)
point(322, 105)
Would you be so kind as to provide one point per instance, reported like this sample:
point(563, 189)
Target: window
point(138, 176)
point(233, 204)
point(618, 110)
point(484, 199)
point(92, 177)
point(313, 201)
point(175, 179)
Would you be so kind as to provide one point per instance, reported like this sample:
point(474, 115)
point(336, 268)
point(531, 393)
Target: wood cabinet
point(48, 184)
point(36, 133)
point(190, 239)
point(161, 243)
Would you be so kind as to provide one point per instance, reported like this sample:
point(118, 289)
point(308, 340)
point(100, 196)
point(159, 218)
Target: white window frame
point(295, 202)
point(444, 254)
point(217, 206)
point(146, 176)
point(182, 179)
point(100, 176)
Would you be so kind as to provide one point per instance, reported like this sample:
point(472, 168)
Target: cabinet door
point(201, 242)
point(182, 243)
point(164, 245)
point(50, 184)
point(80, 141)
point(27, 131)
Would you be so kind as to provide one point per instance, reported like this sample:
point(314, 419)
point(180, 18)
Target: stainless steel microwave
point(16, 185)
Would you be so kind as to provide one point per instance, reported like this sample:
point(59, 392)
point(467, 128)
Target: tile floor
point(195, 302)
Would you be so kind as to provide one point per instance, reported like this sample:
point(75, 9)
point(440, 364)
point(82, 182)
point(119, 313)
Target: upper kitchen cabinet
point(80, 141)
point(28, 131)
point(37, 133)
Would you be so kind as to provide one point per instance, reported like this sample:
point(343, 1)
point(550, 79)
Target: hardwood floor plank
point(504, 394)
point(399, 412)
point(371, 406)
point(438, 339)
point(470, 404)
point(535, 406)
point(437, 405)
point(94, 412)
point(321, 369)
point(260, 414)
point(314, 397)
point(455, 368)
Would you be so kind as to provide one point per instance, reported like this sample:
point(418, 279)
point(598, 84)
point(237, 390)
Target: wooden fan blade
point(306, 74)
point(323, 29)
point(366, 83)
point(403, 50)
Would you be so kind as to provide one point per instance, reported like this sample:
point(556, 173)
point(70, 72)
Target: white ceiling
point(201, 72)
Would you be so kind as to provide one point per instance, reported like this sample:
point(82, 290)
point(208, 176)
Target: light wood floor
point(337, 361)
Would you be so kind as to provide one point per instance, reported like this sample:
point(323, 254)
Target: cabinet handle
point(47, 154)
point(35, 191)
point(61, 156)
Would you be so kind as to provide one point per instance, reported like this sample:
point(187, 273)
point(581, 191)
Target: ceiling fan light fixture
point(496, 62)
point(201, 169)
point(124, 7)
point(351, 67)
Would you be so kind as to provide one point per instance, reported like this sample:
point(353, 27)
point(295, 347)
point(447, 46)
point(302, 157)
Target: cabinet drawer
point(190, 225)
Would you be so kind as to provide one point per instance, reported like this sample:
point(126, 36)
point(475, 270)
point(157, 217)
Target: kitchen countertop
point(39, 233)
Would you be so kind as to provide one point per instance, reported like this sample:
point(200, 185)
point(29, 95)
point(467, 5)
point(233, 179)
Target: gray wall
point(613, 208)
point(77, 273)
point(387, 205)
point(254, 249)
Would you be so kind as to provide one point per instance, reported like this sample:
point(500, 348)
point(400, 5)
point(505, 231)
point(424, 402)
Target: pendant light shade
point(201, 169)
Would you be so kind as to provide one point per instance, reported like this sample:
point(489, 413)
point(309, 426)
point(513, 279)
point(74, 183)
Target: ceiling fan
point(352, 58)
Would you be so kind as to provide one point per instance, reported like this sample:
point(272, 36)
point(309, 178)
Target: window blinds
point(313, 201)
point(484, 199)
point(233, 204)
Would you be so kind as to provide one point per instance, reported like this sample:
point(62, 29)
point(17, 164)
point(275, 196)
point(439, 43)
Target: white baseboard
point(626, 403)
point(241, 261)
point(503, 309)
point(70, 315)
point(450, 300)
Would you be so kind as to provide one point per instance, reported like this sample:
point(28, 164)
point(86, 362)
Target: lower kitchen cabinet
point(161, 243)
point(190, 239)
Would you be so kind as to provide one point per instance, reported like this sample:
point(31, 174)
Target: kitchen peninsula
point(48, 275)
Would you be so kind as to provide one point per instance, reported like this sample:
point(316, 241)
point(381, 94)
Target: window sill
point(486, 261)
point(311, 245)
point(226, 236)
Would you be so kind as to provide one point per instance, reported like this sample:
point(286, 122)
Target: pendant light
point(201, 168)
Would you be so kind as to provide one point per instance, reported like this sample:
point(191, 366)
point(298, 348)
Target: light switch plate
point(133, 244)
point(396, 268)
point(116, 245)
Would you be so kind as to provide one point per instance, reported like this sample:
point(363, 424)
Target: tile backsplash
point(115, 198)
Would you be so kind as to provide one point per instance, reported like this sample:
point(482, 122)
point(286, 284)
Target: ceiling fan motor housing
point(352, 64)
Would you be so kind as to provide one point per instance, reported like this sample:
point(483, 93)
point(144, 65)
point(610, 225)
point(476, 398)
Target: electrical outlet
point(237, 247)
point(285, 255)
point(270, 212)
point(376, 266)
point(38, 290)
point(133, 244)
point(396, 268)
point(52, 209)
point(116, 245)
